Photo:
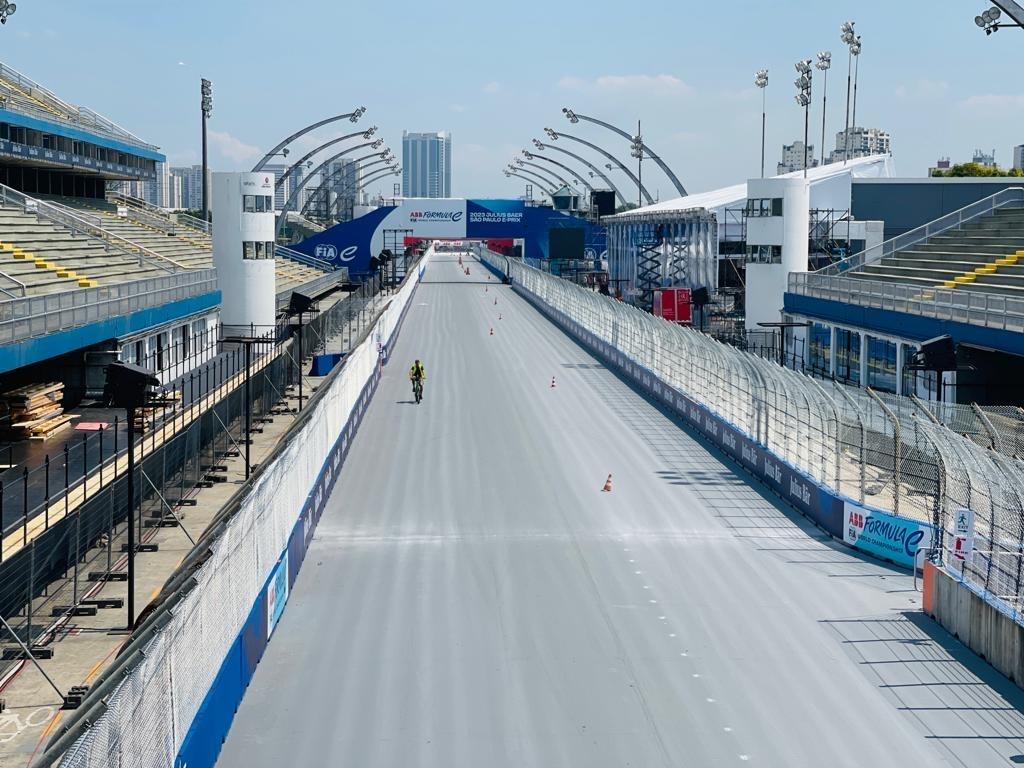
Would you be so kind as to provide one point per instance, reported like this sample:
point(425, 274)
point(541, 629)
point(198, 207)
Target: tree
point(961, 170)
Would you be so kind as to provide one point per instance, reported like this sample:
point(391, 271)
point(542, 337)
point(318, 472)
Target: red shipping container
point(673, 304)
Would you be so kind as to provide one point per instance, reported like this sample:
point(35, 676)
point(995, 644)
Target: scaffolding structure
point(670, 249)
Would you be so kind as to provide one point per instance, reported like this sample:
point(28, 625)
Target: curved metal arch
point(306, 179)
point(536, 181)
point(368, 133)
point(378, 176)
point(537, 143)
point(650, 153)
point(573, 172)
point(329, 181)
point(561, 181)
point(618, 163)
point(353, 116)
point(547, 177)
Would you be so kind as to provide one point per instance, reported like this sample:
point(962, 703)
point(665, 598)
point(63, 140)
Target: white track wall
point(171, 707)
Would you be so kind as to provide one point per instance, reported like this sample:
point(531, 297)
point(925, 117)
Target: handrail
point(192, 222)
point(990, 310)
point(166, 217)
point(79, 225)
point(955, 219)
point(281, 251)
point(74, 115)
point(29, 317)
point(24, 288)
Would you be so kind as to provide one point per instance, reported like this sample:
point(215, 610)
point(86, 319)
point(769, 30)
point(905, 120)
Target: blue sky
point(495, 74)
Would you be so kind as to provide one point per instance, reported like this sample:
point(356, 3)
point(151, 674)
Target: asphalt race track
point(472, 598)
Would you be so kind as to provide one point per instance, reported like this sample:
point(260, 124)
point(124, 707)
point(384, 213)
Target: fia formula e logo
point(327, 252)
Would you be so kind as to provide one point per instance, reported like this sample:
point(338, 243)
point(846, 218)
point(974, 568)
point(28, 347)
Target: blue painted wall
point(36, 350)
point(903, 325)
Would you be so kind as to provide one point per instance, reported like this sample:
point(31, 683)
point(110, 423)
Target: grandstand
point(68, 240)
point(960, 275)
point(985, 255)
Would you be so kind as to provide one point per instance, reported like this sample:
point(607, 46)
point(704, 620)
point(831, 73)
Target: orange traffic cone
point(492, 332)
point(552, 382)
point(607, 485)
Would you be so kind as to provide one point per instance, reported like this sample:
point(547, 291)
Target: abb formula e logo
point(327, 252)
point(417, 216)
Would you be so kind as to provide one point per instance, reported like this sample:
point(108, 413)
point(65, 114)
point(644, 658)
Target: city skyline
point(703, 121)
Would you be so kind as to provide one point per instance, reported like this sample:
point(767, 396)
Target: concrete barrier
point(975, 622)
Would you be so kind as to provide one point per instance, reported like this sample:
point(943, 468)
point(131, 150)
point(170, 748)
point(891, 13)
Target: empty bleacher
point(984, 255)
point(159, 232)
point(47, 258)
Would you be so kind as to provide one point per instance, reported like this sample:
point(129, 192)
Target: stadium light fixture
point(803, 98)
point(636, 150)
point(761, 81)
point(570, 115)
point(552, 133)
point(6, 9)
point(824, 64)
point(989, 21)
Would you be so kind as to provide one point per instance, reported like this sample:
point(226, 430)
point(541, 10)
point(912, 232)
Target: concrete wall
point(991, 634)
point(904, 204)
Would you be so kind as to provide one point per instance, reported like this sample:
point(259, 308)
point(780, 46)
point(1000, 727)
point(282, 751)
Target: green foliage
point(976, 169)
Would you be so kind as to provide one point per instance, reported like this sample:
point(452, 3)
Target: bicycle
point(417, 390)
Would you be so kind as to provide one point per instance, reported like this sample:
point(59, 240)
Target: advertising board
point(897, 539)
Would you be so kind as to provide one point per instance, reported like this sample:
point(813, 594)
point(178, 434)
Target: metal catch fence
point(887, 452)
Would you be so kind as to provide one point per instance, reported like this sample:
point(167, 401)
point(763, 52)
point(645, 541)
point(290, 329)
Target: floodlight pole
point(764, 125)
point(824, 112)
point(206, 106)
point(849, 84)
point(807, 127)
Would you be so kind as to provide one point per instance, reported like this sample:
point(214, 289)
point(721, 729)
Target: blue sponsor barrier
point(886, 536)
point(206, 734)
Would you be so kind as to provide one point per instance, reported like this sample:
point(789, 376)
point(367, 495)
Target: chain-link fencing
point(892, 454)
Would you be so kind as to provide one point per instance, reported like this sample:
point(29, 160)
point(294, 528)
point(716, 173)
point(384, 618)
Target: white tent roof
point(873, 166)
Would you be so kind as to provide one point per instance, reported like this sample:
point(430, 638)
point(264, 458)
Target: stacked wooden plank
point(148, 417)
point(34, 412)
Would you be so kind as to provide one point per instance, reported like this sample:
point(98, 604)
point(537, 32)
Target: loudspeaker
point(938, 354)
point(700, 296)
point(298, 303)
point(128, 385)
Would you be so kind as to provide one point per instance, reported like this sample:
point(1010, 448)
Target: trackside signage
point(883, 535)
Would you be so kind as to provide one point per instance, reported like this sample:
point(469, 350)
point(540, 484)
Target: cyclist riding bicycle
point(417, 375)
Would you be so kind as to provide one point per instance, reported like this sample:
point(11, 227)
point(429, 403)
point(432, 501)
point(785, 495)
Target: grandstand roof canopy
point(873, 166)
point(25, 102)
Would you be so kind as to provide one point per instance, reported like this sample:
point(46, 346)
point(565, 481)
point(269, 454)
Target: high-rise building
point(984, 159)
point(863, 142)
point(793, 158)
point(1018, 157)
point(183, 187)
point(282, 190)
point(157, 192)
point(427, 164)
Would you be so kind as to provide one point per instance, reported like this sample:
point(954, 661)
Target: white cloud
point(458, 108)
point(232, 148)
point(923, 90)
point(994, 102)
point(181, 64)
point(492, 87)
point(646, 84)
